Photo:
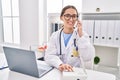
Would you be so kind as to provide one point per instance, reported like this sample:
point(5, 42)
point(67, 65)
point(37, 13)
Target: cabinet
point(106, 36)
point(53, 23)
point(103, 5)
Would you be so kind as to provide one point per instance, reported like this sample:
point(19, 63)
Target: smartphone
point(75, 26)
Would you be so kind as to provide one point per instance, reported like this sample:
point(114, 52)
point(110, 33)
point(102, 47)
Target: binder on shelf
point(88, 26)
point(110, 32)
point(117, 33)
point(97, 31)
point(85, 25)
point(103, 31)
point(90, 29)
point(56, 26)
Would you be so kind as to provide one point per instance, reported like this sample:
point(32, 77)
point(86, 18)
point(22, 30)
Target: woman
point(68, 46)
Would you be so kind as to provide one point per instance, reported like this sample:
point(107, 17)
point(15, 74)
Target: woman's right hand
point(65, 67)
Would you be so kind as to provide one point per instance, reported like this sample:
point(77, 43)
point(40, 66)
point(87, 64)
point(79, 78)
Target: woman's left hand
point(79, 25)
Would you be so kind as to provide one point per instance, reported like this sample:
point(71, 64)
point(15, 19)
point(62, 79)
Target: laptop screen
point(24, 61)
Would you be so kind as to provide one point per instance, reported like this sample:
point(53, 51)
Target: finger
point(61, 67)
point(69, 68)
point(79, 23)
point(64, 67)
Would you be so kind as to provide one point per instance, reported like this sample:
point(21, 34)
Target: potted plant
point(96, 61)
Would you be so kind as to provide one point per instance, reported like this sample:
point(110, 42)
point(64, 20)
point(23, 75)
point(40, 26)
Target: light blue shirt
point(66, 38)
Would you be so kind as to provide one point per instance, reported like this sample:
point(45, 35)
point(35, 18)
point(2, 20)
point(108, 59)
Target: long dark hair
point(67, 7)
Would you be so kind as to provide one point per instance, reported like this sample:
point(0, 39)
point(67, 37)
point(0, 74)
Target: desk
point(55, 74)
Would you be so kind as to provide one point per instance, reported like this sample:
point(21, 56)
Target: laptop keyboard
point(41, 71)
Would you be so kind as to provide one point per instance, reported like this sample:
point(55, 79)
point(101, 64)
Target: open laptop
point(24, 61)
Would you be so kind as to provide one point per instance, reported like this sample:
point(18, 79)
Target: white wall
point(1, 31)
point(104, 5)
point(29, 24)
point(76, 3)
point(1, 28)
point(42, 21)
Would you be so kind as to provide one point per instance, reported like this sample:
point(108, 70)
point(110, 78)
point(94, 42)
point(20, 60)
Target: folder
point(56, 27)
point(103, 31)
point(97, 31)
point(85, 25)
point(110, 32)
point(117, 33)
point(88, 26)
point(91, 29)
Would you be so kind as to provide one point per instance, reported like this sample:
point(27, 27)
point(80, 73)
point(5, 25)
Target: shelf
point(108, 69)
point(106, 45)
point(53, 14)
point(100, 13)
point(101, 16)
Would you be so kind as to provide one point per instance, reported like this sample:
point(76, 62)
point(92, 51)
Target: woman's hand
point(65, 67)
point(79, 25)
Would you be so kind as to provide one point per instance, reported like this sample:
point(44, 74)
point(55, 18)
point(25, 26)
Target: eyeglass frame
point(74, 16)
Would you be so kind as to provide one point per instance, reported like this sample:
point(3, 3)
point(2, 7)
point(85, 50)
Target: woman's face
point(69, 18)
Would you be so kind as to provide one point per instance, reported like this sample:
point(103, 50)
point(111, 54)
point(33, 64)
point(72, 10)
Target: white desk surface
point(55, 74)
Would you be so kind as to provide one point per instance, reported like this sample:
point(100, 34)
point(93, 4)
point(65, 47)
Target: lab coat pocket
point(72, 60)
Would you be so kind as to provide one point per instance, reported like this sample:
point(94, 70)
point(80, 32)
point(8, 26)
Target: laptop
point(24, 61)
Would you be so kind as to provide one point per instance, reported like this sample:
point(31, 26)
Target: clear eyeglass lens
point(68, 16)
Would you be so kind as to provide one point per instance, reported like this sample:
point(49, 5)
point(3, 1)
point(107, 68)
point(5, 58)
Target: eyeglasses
point(68, 16)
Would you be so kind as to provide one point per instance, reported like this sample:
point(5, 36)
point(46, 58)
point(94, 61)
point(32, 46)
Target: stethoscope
point(75, 45)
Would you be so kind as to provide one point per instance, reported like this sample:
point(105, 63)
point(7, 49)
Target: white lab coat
point(52, 54)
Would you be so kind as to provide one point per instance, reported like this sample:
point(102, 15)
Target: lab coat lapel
point(70, 43)
point(62, 43)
